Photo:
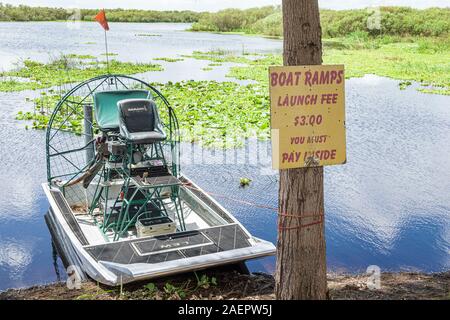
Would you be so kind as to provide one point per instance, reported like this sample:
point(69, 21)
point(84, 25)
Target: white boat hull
point(124, 261)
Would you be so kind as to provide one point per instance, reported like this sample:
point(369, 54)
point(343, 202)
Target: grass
point(426, 61)
point(173, 291)
point(169, 59)
point(166, 291)
point(79, 56)
point(401, 61)
point(66, 69)
point(218, 57)
point(226, 285)
point(207, 110)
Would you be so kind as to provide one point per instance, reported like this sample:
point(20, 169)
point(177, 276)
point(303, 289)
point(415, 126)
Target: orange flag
point(101, 18)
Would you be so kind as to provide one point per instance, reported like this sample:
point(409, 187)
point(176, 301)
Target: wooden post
point(301, 260)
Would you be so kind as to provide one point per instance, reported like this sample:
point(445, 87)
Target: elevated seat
point(139, 121)
point(105, 106)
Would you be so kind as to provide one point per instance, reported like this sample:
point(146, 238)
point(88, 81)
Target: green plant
point(66, 69)
point(404, 84)
point(169, 59)
point(86, 296)
point(174, 291)
point(205, 282)
point(244, 182)
point(151, 289)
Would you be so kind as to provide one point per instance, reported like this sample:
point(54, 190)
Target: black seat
point(139, 121)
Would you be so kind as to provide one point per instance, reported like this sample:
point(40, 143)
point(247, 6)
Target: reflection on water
point(56, 265)
point(15, 256)
point(389, 205)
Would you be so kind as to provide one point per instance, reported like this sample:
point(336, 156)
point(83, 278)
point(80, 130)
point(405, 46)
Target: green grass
point(169, 59)
point(218, 57)
point(207, 111)
point(222, 114)
point(425, 60)
point(79, 56)
point(66, 69)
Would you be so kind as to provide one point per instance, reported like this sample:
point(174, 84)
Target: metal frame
point(112, 81)
point(74, 104)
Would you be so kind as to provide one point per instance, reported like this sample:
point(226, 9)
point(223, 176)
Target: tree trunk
point(301, 260)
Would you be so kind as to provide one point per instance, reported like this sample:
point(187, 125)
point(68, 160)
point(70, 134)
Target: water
point(389, 205)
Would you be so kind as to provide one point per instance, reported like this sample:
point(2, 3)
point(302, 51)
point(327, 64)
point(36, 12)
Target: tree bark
point(301, 260)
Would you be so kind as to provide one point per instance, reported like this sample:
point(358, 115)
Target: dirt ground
point(233, 285)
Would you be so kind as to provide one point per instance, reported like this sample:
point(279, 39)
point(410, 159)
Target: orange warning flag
point(101, 18)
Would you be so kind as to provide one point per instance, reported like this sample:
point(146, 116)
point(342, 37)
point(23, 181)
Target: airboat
point(120, 208)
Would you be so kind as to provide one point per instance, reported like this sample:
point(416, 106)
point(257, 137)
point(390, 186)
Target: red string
point(281, 214)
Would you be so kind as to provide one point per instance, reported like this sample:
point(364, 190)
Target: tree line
point(26, 13)
point(393, 21)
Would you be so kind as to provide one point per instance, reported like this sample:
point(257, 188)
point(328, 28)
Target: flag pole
point(107, 54)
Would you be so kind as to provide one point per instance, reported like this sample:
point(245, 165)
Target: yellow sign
point(307, 116)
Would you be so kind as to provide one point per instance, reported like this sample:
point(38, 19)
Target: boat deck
point(171, 247)
point(199, 239)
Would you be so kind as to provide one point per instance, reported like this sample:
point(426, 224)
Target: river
point(388, 206)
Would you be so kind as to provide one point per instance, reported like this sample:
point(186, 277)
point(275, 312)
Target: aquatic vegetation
point(398, 60)
point(206, 110)
point(437, 90)
point(219, 114)
point(148, 35)
point(43, 109)
point(169, 59)
point(218, 56)
point(67, 69)
point(244, 182)
point(80, 56)
point(404, 84)
point(207, 69)
point(223, 114)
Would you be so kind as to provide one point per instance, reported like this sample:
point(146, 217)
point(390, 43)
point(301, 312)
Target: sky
point(212, 5)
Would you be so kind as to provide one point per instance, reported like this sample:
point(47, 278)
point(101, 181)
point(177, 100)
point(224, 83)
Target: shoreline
point(220, 285)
